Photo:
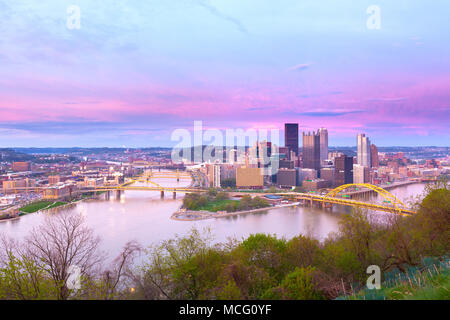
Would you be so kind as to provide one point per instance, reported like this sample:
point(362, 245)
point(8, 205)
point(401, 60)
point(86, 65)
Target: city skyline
point(197, 150)
point(133, 73)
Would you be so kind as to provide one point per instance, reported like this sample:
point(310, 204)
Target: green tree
point(358, 235)
point(433, 222)
point(265, 252)
point(258, 202)
point(181, 268)
point(221, 196)
point(229, 291)
point(245, 203)
point(23, 279)
point(297, 285)
point(302, 251)
point(212, 192)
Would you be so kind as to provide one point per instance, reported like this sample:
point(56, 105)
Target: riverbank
point(42, 206)
point(193, 215)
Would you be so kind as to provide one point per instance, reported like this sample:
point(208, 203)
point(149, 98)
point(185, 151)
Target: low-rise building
point(287, 177)
point(54, 179)
point(18, 185)
point(327, 174)
point(315, 184)
point(60, 191)
point(249, 177)
point(305, 174)
point(20, 166)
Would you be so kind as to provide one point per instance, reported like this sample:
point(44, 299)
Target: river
point(143, 216)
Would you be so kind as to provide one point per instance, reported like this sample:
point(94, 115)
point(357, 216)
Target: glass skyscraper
point(363, 156)
point(291, 137)
point(323, 132)
point(311, 150)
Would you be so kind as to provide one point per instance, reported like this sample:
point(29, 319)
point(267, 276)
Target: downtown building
point(361, 174)
point(328, 174)
point(343, 170)
point(291, 138)
point(305, 174)
point(323, 132)
point(213, 173)
point(361, 170)
point(286, 178)
point(249, 178)
point(311, 150)
point(374, 159)
point(364, 151)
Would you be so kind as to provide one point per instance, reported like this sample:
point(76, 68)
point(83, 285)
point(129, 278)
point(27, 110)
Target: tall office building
point(343, 170)
point(363, 156)
point(311, 150)
point(323, 132)
point(260, 153)
point(232, 156)
point(283, 152)
point(361, 174)
point(375, 162)
point(291, 137)
point(216, 175)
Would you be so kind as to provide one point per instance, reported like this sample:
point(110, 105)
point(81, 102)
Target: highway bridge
point(389, 203)
point(342, 195)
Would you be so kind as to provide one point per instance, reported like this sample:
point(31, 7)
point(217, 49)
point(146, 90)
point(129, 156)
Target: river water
point(145, 217)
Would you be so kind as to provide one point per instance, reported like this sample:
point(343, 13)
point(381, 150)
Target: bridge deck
point(333, 199)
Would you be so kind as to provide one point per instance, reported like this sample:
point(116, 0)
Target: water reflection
point(145, 217)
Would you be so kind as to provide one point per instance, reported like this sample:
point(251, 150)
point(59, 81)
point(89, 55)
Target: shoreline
point(21, 213)
point(203, 215)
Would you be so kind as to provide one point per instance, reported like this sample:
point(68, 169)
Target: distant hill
point(80, 150)
point(9, 155)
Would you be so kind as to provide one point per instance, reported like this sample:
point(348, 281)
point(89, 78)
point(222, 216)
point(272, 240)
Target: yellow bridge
point(362, 198)
point(146, 178)
point(336, 196)
point(355, 195)
point(390, 203)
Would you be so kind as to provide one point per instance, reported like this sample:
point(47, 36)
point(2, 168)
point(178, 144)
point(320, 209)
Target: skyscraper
point(375, 163)
point(363, 156)
point(343, 170)
point(260, 153)
point(323, 145)
point(311, 150)
point(291, 137)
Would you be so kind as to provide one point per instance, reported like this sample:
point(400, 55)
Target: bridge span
point(390, 204)
point(339, 195)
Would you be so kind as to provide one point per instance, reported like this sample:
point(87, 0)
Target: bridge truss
point(389, 197)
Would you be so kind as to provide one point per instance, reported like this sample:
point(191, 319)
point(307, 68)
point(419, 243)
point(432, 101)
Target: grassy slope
point(432, 288)
point(39, 205)
point(432, 284)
